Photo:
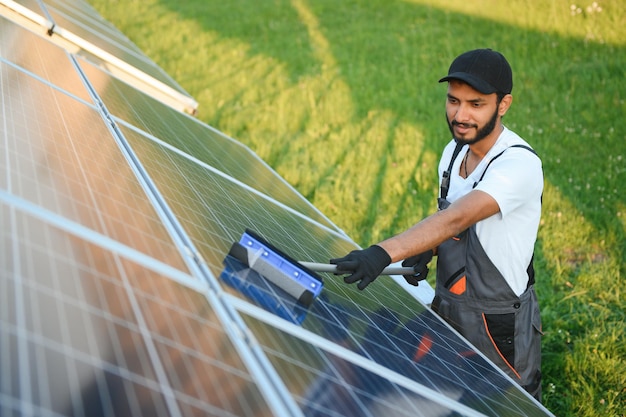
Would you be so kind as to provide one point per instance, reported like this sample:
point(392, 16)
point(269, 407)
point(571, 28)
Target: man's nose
point(462, 114)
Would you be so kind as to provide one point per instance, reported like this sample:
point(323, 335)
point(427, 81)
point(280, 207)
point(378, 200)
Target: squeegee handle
point(390, 270)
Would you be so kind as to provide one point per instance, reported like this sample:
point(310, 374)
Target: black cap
point(484, 69)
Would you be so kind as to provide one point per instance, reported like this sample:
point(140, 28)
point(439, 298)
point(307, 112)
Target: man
point(485, 229)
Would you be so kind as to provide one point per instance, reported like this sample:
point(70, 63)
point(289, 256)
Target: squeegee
point(298, 279)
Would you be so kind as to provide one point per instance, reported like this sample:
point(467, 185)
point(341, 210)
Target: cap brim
point(475, 82)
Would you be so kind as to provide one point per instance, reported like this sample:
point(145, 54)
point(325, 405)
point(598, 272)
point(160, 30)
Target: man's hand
point(364, 265)
point(420, 267)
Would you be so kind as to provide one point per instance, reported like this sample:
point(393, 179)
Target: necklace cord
point(465, 163)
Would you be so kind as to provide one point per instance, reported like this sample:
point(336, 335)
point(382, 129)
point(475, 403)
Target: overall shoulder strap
point(528, 148)
point(445, 181)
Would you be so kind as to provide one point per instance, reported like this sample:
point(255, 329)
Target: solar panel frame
point(75, 36)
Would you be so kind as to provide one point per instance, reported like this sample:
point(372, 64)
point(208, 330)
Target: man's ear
point(505, 103)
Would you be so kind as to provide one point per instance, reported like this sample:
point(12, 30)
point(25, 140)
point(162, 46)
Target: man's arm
point(440, 226)
point(367, 264)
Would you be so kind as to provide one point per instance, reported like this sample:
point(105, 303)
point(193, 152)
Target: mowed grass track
point(342, 99)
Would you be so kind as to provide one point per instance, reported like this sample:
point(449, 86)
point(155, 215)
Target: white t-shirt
point(515, 181)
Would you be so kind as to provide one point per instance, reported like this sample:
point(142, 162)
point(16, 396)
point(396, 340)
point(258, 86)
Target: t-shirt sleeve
point(512, 179)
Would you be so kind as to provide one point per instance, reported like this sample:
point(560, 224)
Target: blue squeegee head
point(277, 267)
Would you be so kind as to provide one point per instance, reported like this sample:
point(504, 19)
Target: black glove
point(364, 265)
point(420, 267)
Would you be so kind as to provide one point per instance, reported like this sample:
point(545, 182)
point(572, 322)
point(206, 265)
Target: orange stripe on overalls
point(459, 287)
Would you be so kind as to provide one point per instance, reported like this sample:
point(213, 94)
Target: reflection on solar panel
point(117, 210)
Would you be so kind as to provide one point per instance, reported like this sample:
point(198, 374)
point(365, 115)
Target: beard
point(481, 133)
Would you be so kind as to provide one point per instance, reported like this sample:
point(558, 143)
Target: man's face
point(472, 116)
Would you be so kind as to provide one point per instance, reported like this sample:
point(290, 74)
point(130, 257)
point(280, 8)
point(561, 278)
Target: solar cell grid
point(96, 328)
point(21, 47)
point(326, 384)
point(215, 209)
point(194, 138)
point(66, 160)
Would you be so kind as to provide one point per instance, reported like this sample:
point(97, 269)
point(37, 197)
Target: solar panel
point(117, 213)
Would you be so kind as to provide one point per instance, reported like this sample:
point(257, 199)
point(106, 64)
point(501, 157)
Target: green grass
point(342, 99)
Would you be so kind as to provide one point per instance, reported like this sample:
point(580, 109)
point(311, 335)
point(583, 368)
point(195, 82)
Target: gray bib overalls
point(474, 298)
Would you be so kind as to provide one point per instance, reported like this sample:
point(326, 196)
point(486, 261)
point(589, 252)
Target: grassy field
point(341, 98)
